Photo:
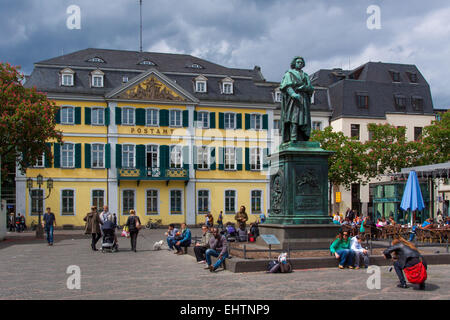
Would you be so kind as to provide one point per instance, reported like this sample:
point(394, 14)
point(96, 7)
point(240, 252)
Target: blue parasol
point(412, 196)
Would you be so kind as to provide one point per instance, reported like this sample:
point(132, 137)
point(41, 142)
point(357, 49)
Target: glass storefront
point(387, 197)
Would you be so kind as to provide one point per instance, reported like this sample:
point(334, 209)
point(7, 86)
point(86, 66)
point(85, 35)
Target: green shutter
point(221, 158)
point(107, 156)
point(47, 158)
point(56, 155)
point(239, 158)
point(195, 115)
point(212, 120)
point(140, 156)
point(247, 159)
point(185, 118)
point(106, 116)
point(186, 158)
point(212, 160)
point(78, 155)
point(87, 115)
point(265, 160)
point(239, 121)
point(265, 121)
point(140, 117)
point(221, 120)
point(163, 158)
point(118, 156)
point(58, 115)
point(87, 155)
point(77, 115)
point(247, 121)
point(194, 150)
point(164, 118)
point(118, 115)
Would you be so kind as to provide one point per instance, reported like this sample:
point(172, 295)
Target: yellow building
point(172, 136)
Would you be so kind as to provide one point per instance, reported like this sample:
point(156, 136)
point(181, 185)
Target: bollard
point(245, 251)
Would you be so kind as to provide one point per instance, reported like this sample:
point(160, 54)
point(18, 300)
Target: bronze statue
point(297, 91)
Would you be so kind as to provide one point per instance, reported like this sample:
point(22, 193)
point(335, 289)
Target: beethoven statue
point(296, 90)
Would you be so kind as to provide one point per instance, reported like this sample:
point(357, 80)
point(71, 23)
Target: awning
point(437, 171)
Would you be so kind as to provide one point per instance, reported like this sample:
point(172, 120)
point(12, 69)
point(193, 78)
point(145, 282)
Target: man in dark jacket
point(93, 223)
point(405, 255)
point(218, 247)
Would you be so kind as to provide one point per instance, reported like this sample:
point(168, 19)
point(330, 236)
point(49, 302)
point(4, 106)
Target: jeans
point(399, 272)
point(359, 255)
point(133, 238)
point(214, 253)
point(346, 257)
point(182, 244)
point(171, 242)
point(49, 231)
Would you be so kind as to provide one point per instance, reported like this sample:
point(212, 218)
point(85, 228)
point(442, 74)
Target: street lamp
point(40, 182)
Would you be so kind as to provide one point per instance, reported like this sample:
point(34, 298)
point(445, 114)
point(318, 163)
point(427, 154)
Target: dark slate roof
point(177, 67)
point(375, 80)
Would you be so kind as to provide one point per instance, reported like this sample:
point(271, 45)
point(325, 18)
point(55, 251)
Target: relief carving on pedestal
point(277, 192)
point(307, 182)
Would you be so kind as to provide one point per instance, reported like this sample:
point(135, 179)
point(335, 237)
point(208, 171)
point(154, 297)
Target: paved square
point(29, 269)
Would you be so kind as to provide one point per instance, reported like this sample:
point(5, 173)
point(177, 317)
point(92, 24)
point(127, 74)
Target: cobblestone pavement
point(29, 269)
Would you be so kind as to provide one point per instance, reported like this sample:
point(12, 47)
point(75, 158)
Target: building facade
point(172, 136)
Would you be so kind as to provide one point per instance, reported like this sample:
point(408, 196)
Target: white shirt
point(355, 245)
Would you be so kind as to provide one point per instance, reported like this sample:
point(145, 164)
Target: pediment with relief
point(151, 89)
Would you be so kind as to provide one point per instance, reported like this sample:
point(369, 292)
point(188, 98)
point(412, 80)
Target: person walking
point(12, 222)
point(48, 223)
point(408, 259)
point(93, 223)
point(220, 221)
point(134, 225)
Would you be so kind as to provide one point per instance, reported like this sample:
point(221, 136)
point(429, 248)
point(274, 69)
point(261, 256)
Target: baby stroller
point(230, 233)
point(108, 242)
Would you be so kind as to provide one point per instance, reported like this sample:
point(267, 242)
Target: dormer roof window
point(227, 85)
point(412, 77)
point(97, 78)
point(96, 59)
point(201, 84)
point(196, 66)
point(147, 63)
point(277, 95)
point(395, 75)
point(66, 77)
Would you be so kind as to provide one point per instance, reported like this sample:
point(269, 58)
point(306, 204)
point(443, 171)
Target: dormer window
point(277, 95)
point(196, 66)
point(417, 103)
point(96, 59)
point(147, 63)
point(67, 77)
point(200, 84)
point(412, 77)
point(97, 78)
point(395, 76)
point(124, 79)
point(362, 100)
point(400, 101)
point(227, 86)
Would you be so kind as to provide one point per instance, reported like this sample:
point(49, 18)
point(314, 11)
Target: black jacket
point(405, 255)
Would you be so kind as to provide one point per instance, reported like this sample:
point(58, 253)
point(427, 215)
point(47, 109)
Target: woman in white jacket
point(356, 247)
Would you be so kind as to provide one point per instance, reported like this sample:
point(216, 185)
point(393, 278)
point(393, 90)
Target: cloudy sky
point(241, 33)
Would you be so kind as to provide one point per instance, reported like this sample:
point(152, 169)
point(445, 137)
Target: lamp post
point(40, 182)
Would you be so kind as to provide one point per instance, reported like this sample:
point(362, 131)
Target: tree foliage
point(27, 120)
point(435, 142)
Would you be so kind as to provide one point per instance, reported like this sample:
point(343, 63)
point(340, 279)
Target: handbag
point(125, 232)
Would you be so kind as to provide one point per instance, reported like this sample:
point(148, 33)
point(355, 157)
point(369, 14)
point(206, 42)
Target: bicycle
point(151, 224)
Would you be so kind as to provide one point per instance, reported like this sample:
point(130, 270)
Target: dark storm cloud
point(240, 33)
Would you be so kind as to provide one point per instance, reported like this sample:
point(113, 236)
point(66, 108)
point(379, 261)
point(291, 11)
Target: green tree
point(435, 141)
point(27, 120)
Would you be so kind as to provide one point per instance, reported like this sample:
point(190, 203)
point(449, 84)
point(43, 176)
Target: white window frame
point(104, 197)
point(225, 201)
point(182, 202)
point(99, 78)
point(134, 156)
point(172, 113)
point(98, 111)
point(155, 123)
point(157, 154)
point(200, 123)
point(200, 86)
point(41, 159)
point(208, 200)
point(67, 79)
point(225, 159)
point(253, 122)
point(314, 124)
point(225, 85)
point(64, 109)
point(74, 203)
point(253, 156)
point(261, 199)
point(73, 155)
point(92, 155)
point(208, 154)
point(157, 202)
point(122, 201)
point(277, 96)
point(128, 111)
point(30, 199)
point(225, 122)
point(171, 147)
